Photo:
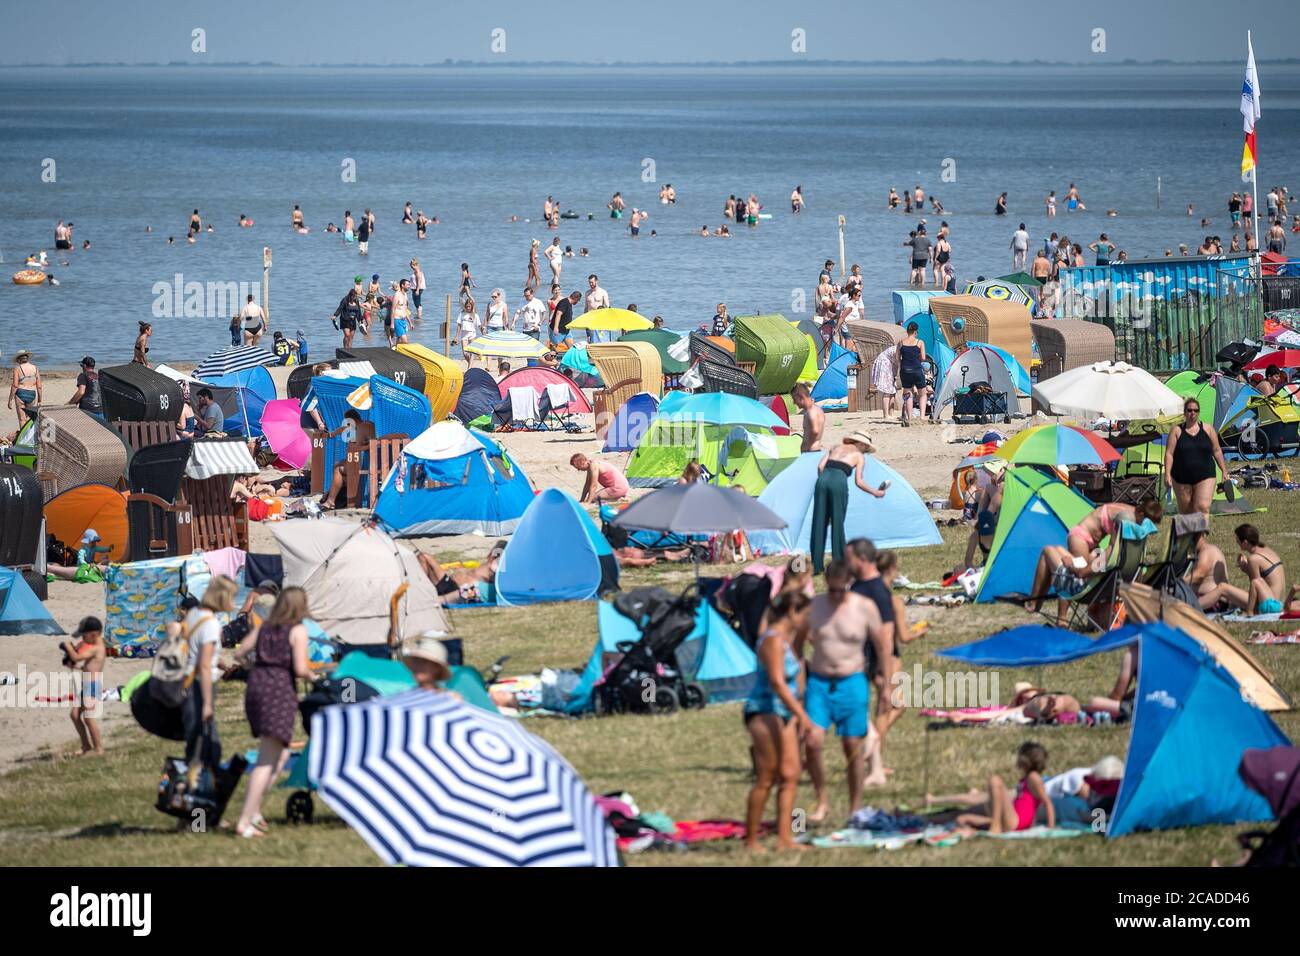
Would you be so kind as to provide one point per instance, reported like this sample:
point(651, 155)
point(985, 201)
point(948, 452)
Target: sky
point(341, 32)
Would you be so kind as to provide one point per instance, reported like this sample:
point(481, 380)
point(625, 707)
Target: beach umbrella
point(235, 359)
point(611, 320)
point(428, 780)
point(722, 408)
point(1111, 390)
point(1282, 358)
point(1058, 445)
point(283, 431)
point(1000, 292)
point(1022, 279)
point(504, 344)
point(698, 508)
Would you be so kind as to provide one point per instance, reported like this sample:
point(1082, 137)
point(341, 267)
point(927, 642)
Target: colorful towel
point(1244, 618)
point(1037, 833)
point(850, 837)
point(1273, 637)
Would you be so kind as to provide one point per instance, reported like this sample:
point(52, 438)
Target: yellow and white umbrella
point(612, 320)
point(507, 345)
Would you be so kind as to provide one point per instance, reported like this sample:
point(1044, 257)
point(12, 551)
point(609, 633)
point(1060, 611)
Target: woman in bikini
point(141, 354)
point(775, 718)
point(534, 277)
point(25, 387)
point(1265, 573)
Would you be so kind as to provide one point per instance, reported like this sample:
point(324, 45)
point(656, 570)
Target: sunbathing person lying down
point(462, 581)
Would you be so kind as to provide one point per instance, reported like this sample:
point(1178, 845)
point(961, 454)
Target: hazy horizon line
point(676, 64)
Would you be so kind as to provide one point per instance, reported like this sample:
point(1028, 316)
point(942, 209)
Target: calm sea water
point(137, 147)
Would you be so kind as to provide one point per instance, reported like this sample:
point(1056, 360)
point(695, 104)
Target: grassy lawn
point(692, 765)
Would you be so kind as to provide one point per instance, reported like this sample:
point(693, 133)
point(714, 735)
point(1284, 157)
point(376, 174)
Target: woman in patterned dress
point(275, 653)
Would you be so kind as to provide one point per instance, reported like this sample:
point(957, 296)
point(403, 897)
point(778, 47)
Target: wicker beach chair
point(972, 318)
point(1064, 344)
point(72, 448)
point(158, 525)
point(443, 378)
point(727, 378)
point(626, 368)
point(715, 348)
point(869, 340)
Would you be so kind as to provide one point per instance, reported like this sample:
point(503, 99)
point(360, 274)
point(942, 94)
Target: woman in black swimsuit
point(942, 253)
point(1191, 454)
point(911, 373)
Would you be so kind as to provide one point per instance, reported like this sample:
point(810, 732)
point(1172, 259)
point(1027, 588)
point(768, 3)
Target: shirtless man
point(814, 419)
point(1209, 571)
point(465, 582)
point(597, 298)
point(837, 693)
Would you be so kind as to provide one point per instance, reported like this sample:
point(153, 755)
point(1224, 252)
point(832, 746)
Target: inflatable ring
point(29, 277)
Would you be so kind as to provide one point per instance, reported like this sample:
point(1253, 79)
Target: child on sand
point(1001, 810)
point(87, 655)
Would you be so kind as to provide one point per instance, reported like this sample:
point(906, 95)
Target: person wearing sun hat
point(86, 570)
point(25, 386)
point(988, 504)
point(426, 657)
point(1079, 793)
point(831, 493)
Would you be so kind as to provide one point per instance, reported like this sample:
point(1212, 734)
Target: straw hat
point(429, 647)
point(861, 438)
point(1108, 768)
point(23, 355)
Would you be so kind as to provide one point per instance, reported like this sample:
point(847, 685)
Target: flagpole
point(1254, 175)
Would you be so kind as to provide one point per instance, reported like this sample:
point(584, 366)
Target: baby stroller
point(1274, 774)
point(646, 677)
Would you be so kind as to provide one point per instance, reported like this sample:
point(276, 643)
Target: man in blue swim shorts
point(837, 693)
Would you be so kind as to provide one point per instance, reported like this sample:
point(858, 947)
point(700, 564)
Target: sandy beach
point(923, 454)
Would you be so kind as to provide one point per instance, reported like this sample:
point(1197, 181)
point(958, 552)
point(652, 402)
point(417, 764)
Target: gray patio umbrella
point(699, 508)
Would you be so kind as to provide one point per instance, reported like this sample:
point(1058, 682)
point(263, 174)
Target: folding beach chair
point(1098, 605)
point(1180, 555)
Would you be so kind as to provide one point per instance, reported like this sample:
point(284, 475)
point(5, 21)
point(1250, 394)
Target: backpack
point(169, 684)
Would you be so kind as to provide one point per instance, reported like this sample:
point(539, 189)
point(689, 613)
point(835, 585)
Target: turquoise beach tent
point(712, 655)
point(914, 304)
point(252, 389)
point(1037, 510)
point(898, 520)
point(21, 611)
point(833, 383)
point(1191, 723)
point(450, 480)
point(557, 554)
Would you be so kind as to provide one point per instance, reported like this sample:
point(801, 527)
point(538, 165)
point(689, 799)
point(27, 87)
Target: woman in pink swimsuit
point(998, 811)
point(1086, 536)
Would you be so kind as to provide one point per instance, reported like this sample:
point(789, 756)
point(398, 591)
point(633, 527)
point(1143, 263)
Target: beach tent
point(443, 378)
point(630, 422)
point(1036, 511)
point(898, 520)
point(781, 407)
point(21, 611)
point(539, 378)
point(478, 396)
point(833, 383)
point(351, 572)
point(253, 388)
point(979, 364)
point(713, 655)
point(749, 456)
point(450, 480)
point(778, 350)
point(1192, 721)
point(912, 304)
point(557, 554)
point(69, 514)
point(1019, 374)
point(1190, 383)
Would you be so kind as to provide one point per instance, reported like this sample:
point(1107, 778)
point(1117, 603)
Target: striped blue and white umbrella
point(234, 359)
point(428, 780)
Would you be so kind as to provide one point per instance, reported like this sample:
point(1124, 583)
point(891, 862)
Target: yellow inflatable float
point(29, 277)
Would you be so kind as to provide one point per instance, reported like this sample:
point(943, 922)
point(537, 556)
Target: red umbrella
point(1283, 358)
point(281, 426)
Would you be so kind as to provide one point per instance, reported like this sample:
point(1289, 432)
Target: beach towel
point(559, 394)
point(1038, 833)
point(1244, 618)
point(523, 404)
point(1273, 637)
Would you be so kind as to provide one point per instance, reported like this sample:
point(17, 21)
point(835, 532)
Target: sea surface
point(138, 147)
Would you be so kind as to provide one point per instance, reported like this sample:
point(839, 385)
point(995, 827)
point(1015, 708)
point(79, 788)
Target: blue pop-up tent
point(630, 422)
point(1192, 721)
point(557, 554)
point(21, 611)
point(898, 520)
point(833, 382)
point(713, 655)
point(450, 480)
point(252, 389)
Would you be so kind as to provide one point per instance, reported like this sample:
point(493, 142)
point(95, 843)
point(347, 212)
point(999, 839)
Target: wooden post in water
point(266, 283)
point(1157, 192)
point(843, 268)
point(447, 330)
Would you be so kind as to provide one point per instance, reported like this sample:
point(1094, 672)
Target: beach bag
point(169, 684)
